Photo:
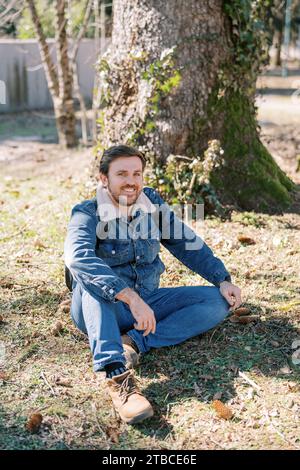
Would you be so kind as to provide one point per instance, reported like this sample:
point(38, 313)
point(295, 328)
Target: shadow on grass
point(209, 364)
point(198, 368)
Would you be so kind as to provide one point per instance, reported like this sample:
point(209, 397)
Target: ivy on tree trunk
point(179, 75)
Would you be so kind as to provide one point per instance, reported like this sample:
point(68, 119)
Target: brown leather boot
point(128, 401)
point(132, 357)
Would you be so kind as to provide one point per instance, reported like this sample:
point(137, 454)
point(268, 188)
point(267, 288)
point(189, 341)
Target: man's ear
point(103, 179)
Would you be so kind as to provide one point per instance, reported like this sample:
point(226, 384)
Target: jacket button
point(138, 257)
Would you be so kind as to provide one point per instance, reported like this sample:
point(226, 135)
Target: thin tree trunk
point(59, 77)
point(100, 41)
point(65, 113)
point(83, 114)
point(49, 67)
point(96, 88)
point(73, 56)
point(277, 42)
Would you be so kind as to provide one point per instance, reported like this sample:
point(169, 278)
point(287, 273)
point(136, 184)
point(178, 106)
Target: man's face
point(124, 180)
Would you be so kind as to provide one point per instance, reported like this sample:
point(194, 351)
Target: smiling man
point(113, 269)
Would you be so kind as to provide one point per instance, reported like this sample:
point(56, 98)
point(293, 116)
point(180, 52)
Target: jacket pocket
point(114, 253)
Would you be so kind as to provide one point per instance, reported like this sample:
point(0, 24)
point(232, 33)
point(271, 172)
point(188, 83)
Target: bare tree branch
point(9, 14)
point(64, 72)
point(9, 7)
point(88, 11)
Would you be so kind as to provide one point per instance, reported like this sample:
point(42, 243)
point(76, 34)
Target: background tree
point(76, 10)
point(179, 82)
point(278, 11)
point(10, 12)
point(68, 21)
point(59, 77)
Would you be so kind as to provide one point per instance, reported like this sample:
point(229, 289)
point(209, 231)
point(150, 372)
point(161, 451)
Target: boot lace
point(126, 388)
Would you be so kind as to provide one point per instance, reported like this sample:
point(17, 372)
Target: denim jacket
point(107, 254)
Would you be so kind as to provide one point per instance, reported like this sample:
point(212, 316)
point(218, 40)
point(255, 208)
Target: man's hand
point(141, 311)
point(231, 293)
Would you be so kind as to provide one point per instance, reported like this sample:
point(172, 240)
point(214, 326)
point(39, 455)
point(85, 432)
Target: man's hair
point(116, 151)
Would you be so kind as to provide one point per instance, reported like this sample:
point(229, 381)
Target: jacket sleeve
point(185, 245)
point(90, 271)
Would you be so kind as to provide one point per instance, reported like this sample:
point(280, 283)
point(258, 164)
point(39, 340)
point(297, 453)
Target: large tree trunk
point(162, 92)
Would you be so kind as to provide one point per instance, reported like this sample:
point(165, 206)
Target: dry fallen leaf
point(1, 319)
point(293, 387)
point(34, 422)
point(246, 240)
point(39, 245)
point(222, 411)
point(63, 382)
point(3, 376)
point(6, 284)
point(57, 329)
point(66, 309)
point(113, 434)
point(65, 306)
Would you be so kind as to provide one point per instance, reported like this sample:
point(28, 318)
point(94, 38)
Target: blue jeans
point(180, 312)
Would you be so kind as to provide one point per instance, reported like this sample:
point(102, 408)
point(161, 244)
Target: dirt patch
point(28, 147)
point(30, 159)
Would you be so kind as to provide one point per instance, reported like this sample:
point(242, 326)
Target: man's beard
point(122, 199)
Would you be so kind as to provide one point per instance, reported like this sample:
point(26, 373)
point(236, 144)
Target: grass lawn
point(45, 362)
point(47, 368)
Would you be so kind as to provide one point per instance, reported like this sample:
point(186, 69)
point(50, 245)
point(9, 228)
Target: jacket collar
point(107, 210)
